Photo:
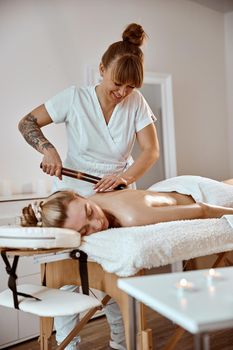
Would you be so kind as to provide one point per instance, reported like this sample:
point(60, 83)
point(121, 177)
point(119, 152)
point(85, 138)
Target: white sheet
point(124, 251)
point(200, 188)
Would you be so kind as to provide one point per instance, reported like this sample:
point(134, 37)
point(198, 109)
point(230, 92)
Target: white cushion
point(38, 237)
point(54, 302)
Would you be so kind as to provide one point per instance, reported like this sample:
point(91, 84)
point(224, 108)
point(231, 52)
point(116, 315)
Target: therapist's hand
point(110, 182)
point(51, 163)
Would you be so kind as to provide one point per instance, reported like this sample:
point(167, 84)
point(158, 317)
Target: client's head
point(66, 209)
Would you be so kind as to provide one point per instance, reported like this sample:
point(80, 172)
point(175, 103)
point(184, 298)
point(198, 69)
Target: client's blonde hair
point(50, 212)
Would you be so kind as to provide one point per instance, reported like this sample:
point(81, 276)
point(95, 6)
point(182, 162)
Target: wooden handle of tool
point(84, 177)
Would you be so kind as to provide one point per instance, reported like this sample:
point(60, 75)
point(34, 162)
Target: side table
point(198, 301)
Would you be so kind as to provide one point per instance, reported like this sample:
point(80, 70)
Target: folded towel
point(200, 188)
point(125, 251)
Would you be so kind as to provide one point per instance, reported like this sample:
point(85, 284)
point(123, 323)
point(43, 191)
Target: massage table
point(119, 252)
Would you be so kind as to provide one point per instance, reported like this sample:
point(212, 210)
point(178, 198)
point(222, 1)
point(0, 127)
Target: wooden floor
point(95, 336)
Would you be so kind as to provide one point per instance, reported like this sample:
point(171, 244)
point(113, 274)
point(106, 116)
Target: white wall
point(229, 82)
point(46, 45)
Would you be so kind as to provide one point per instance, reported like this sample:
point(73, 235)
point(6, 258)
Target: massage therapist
point(102, 123)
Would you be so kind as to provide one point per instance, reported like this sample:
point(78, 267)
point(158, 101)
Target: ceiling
point(217, 5)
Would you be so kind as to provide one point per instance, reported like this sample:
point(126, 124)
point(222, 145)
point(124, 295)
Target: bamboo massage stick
point(84, 177)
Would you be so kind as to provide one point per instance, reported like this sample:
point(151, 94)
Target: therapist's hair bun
point(127, 57)
point(134, 34)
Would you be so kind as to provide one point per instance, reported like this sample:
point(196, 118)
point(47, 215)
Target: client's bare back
point(137, 207)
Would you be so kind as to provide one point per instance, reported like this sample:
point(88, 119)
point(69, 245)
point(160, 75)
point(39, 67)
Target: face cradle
point(114, 91)
point(85, 216)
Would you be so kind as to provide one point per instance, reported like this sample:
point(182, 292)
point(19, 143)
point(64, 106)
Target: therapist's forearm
point(144, 162)
point(33, 135)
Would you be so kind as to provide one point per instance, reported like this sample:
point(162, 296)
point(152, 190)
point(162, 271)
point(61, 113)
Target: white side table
point(205, 306)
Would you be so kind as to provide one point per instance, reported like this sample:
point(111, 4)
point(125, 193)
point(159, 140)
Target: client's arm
point(191, 211)
point(178, 212)
point(154, 215)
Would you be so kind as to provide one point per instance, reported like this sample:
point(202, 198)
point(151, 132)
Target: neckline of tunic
point(101, 114)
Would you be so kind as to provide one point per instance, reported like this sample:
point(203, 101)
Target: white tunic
point(95, 147)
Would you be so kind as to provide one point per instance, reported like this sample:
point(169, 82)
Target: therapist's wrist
point(128, 179)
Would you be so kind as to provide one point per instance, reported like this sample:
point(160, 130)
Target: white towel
point(125, 251)
point(200, 188)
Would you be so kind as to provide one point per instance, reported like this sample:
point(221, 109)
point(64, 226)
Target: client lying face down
point(116, 209)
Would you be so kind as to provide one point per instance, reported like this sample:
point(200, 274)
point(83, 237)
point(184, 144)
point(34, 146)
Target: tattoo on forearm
point(47, 145)
point(32, 133)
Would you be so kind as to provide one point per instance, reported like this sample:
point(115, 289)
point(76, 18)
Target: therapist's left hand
point(110, 182)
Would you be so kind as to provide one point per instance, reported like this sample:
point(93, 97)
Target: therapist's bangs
point(128, 70)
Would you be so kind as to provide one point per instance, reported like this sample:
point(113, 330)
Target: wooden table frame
point(60, 273)
point(66, 272)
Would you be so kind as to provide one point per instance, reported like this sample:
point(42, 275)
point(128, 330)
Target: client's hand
point(110, 182)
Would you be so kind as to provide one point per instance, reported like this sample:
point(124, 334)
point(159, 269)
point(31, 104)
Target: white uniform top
point(93, 146)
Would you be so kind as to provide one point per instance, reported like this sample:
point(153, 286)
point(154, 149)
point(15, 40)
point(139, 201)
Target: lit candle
point(212, 275)
point(184, 285)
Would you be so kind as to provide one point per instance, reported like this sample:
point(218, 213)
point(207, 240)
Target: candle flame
point(212, 272)
point(183, 282)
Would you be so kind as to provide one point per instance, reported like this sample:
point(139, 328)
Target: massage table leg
point(46, 324)
point(135, 314)
point(46, 329)
point(174, 339)
point(144, 334)
point(81, 324)
point(147, 343)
